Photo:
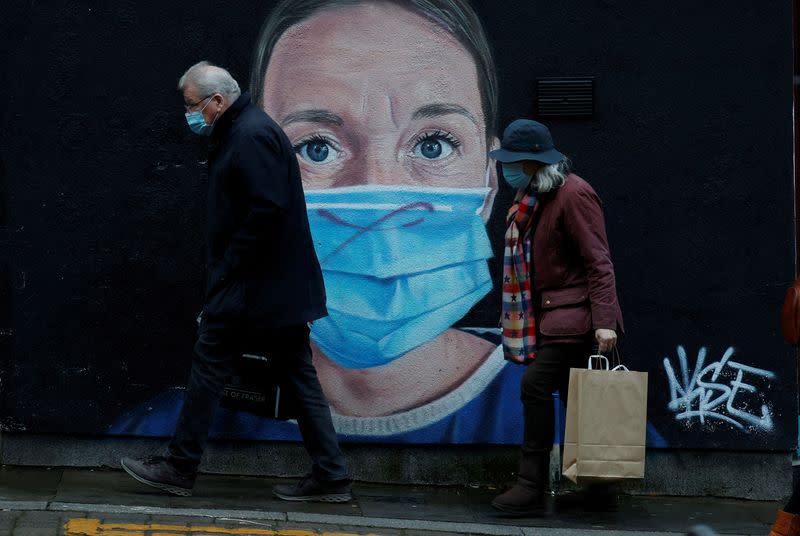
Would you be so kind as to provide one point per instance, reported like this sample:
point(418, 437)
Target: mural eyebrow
point(440, 109)
point(313, 116)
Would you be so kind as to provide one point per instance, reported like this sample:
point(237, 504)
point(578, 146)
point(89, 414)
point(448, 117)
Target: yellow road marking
point(93, 527)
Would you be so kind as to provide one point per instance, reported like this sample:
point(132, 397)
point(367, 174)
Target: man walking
point(264, 287)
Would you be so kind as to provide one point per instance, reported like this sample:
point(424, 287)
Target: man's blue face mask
point(514, 175)
point(197, 123)
point(401, 266)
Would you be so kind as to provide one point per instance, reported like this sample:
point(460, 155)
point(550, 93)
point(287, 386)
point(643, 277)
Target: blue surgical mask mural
point(401, 265)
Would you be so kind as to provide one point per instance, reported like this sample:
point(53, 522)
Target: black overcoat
point(261, 263)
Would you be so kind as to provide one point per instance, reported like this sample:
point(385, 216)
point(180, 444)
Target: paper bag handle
point(616, 358)
point(604, 364)
point(600, 358)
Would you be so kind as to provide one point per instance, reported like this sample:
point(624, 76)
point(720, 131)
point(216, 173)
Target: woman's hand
point(606, 339)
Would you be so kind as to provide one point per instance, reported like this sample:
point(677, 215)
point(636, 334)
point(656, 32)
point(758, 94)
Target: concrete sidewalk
point(61, 495)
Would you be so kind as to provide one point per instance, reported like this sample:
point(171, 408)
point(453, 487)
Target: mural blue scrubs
point(485, 409)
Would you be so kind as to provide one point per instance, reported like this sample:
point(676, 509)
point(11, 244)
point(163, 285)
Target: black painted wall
point(102, 189)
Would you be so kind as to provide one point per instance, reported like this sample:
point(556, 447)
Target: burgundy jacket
point(573, 278)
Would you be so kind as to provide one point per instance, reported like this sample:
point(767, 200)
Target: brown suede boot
point(526, 498)
point(786, 524)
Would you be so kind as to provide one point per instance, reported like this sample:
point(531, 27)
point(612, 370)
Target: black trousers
point(217, 348)
point(548, 373)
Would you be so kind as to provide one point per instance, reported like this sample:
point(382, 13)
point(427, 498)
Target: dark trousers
point(215, 353)
point(548, 373)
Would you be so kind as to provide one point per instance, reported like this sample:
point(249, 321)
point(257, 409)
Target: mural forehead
point(368, 59)
point(381, 23)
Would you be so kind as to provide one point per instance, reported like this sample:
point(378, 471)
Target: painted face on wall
point(384, 110)
point(377, 94)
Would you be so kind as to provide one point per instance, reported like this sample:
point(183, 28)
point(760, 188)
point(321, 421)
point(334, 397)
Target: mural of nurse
point(391, 107)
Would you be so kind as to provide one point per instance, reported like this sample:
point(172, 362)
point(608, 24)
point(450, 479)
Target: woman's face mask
point(514, 174)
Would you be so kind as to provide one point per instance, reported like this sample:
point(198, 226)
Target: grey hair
point(209, 79)
point(455, 16)
point(552, 176)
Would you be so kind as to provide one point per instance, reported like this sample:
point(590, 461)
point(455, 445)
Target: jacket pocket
point(226, 299)
point(565, 312)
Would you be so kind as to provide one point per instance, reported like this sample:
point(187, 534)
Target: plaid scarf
point(517, 321)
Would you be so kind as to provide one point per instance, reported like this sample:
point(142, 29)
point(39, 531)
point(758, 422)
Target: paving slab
point(208, 513)
point(389, 510)
point(23, 505)
point(595, 532)
point(35, 523)
point(104, 487)
point(28, 483)
point(351, 529)
point(662, 514)
point(7, 517)
point(321, 528)
point(726, 516)
point(188, 521)
point(245, 523)
point(128, 517)
point(383, 523)
point(249, 494)
point(36, 531)
point(38, 518)
point(414, 502)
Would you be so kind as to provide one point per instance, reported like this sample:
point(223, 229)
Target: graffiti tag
point(715, 391)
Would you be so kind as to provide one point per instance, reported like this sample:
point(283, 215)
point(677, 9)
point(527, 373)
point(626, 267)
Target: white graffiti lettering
point(711, 391)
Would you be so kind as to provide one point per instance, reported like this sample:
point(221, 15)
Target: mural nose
point(380, 171)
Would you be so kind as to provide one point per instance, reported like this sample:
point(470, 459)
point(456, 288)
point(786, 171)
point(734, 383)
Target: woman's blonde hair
point(551, 177)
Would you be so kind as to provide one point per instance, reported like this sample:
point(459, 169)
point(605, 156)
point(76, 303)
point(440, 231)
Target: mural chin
point(421, 376)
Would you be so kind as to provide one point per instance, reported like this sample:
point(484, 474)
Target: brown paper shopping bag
point(606, 424)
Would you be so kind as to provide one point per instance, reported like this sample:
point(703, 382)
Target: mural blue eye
point(431, 149)
point(317, 150)
point(435, 145)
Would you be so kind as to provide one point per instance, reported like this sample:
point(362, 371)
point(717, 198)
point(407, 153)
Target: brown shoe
point(786, 524)
point(525, 499)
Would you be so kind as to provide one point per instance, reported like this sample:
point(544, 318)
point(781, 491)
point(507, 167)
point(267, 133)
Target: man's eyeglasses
point(188, 107)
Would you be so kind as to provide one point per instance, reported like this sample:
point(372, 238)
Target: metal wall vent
point(566, 96)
